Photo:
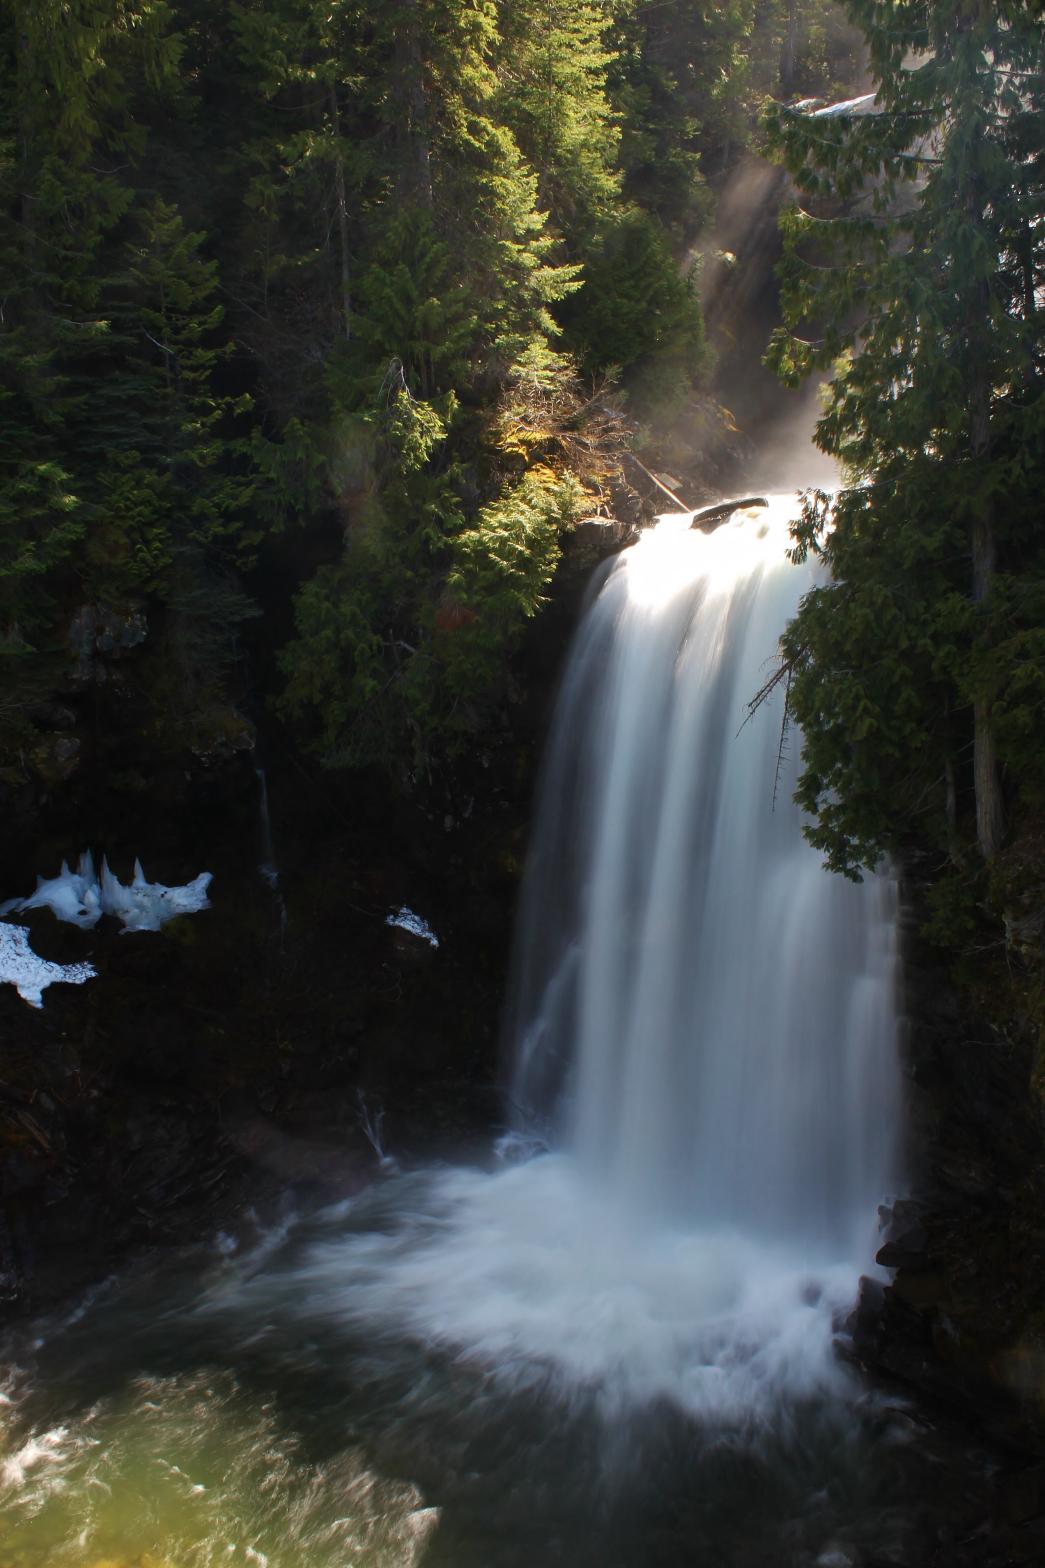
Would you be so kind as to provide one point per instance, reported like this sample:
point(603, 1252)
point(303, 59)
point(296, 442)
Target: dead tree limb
point(659, 484)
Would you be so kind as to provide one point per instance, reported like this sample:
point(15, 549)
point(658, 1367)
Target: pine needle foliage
point(917, 270)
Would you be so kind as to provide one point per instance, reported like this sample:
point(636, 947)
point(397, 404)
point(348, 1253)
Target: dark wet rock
point(906, 1244)
point(100, 633)
point(595, 538)
point(320, 1163)
point(220, 736)
point(1020, 1548)
point(908, 1250)
point(963, 1320)
point(54, 759)
point(264, 1044)
point(1023, 1495)
point(862, 1325)
point(52, 716)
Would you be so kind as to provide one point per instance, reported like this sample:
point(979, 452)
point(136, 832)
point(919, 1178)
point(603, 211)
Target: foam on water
point(531, 1276)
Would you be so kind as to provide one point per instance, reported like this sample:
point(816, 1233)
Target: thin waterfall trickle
point(267, 865)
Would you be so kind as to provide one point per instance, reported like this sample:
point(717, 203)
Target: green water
point(193, 1472)
point(205, 1415)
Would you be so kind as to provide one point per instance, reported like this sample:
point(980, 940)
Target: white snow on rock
point(865, 104)
point(82, 898)
point(406, 920)
point(28, 972)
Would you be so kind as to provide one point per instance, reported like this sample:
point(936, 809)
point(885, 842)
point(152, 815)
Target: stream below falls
point(621, 1342)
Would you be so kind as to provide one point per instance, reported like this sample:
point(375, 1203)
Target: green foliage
point(414, 310)
point(499, 570)
point(876, 656)
point(401, 647)
point(681, 83)
point(124, 477)
point(292, 474)
point(399, 275)
point(1009, 667)
point(401, 643)
point(805, 48)
point(179, 427)
point(555, 60)
point(637, 312)
point(924, 648)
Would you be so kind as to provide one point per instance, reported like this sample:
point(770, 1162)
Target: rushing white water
point(702, 1013)
point(703, 1024)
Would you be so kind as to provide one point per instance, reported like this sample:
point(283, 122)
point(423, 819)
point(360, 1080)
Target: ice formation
point(28, 972)
point(406, 920)
point(81, 897)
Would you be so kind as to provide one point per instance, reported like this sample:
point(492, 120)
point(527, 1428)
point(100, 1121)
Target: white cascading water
point(702, 1015)
point(702, 1021)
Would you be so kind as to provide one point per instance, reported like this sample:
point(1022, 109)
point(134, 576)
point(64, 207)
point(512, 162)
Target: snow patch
point(28, 972)
point(406, 920)
point(865, 104)
point(81, 897)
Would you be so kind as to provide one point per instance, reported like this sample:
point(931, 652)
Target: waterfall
point(699, 1012)
point(267, 865)
point(702, 1027)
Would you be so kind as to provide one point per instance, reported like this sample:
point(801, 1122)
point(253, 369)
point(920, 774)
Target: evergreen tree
point(925, 292)
point(66, 133)
point(681, 84)
point(553, 66)
point(801, 48)
point(373, 270)
point(124, 479)
point(455, 289)
point(638, 312)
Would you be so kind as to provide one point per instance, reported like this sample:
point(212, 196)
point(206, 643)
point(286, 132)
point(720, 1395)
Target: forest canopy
point(915, 273)
point(347, 304)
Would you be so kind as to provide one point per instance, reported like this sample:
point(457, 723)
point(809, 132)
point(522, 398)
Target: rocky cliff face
point(257, 1047)
point(269, 1044)
point(963, 1319)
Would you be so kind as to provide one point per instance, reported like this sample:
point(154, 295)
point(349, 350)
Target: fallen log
point(658, 482)
point(722, 509)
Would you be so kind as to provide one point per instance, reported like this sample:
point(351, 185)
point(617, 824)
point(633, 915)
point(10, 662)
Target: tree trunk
point(415, 172)
point(24, 89)
point(789, 50)
point(342, 212)
point(990, 809)
point(954, 843)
